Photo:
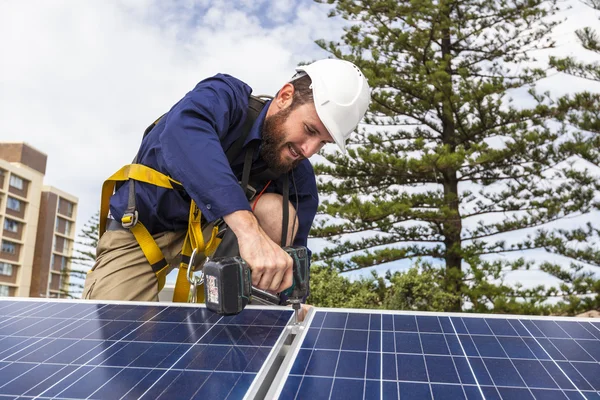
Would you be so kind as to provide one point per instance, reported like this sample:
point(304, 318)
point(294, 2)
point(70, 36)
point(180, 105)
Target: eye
point(310, 131)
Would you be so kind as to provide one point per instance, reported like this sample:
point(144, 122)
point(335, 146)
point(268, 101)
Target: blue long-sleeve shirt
point(189, 145)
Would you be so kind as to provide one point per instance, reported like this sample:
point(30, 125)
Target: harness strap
point(286, 210)
point(194, 238)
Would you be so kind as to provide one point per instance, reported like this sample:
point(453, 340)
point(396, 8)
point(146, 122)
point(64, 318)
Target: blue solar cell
point(388, 367)
point(411, 368)
point(314, 388)
point(347, 389)
point(414, 391)
point(388, 342)
point(372, 390)
point(434, 344)
point(351, 364)
point(335, 320)
point(408, 343)
point(355, 340)
point(358, 321)
point(429, 324)
point(441, 369)
point(375, 322)
point(322, 363)
point(389, 390)
point(373, 366)
point(405, 323)
point(329, 339)
point(375, 340)
point(447, 392)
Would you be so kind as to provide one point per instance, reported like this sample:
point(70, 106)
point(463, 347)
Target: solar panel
point(354, 354)
point(76, 350)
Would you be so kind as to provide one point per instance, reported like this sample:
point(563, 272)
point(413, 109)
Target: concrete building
point(37, 226)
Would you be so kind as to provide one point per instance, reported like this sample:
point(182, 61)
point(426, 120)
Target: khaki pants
point(122, 272)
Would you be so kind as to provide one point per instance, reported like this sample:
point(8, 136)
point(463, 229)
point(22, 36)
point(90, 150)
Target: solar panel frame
point(497, 331)
point(128, 320)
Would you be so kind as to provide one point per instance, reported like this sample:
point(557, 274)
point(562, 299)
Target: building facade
point(37, 226)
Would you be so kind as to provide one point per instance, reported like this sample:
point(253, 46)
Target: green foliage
point(446, 168)
point(329, 289)
point(84, 258)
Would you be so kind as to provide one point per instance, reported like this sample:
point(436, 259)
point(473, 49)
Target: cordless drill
point(228, 283)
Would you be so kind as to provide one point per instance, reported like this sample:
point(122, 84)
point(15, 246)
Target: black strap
point(286, 210)
point(247, 168)
point(255, 106)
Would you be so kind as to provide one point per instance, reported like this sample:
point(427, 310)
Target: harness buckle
point(250, 192)
point(129, 219)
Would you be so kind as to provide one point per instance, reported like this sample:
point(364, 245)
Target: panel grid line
point(424, 360)
point(395, 350)
point(339, 354)
point(452, 357)
point(380, 357)
point(367, 358)
point(552, 359)
point(467, 358)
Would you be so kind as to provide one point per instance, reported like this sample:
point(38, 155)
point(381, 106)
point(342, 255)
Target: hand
point(271, 266)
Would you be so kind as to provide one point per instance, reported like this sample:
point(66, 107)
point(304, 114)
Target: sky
point(81, 80)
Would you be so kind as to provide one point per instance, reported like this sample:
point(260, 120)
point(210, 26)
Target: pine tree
point(84, 258)
point(448, 168)
point(581, 111)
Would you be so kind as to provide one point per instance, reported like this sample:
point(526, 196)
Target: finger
point(288, 279)
point(266, 279)
point(257, 274)
point(277, 278)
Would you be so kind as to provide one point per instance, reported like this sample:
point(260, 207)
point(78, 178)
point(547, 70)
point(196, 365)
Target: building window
point(69, 209)
point(68, 228)
point(4, 291)
point(10, 225)
point(16, 182)
point(9, 247)
point(5, 269)
point(13, 204)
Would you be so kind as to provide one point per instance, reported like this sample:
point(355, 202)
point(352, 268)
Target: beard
point(274, 144)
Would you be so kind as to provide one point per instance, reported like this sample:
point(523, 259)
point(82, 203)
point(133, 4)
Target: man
point(323, 103)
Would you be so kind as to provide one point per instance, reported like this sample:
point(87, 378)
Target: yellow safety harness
point(194, 238)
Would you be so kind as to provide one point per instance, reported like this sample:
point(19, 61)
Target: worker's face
point(291, 135)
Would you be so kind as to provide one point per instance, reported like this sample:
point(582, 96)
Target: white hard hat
point(341, 93)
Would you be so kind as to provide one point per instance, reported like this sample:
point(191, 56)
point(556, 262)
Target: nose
point(311, 146)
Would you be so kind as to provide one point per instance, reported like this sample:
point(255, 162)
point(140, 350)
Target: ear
point(284, 96)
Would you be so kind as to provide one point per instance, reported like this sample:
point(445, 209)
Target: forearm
point(243, 223)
